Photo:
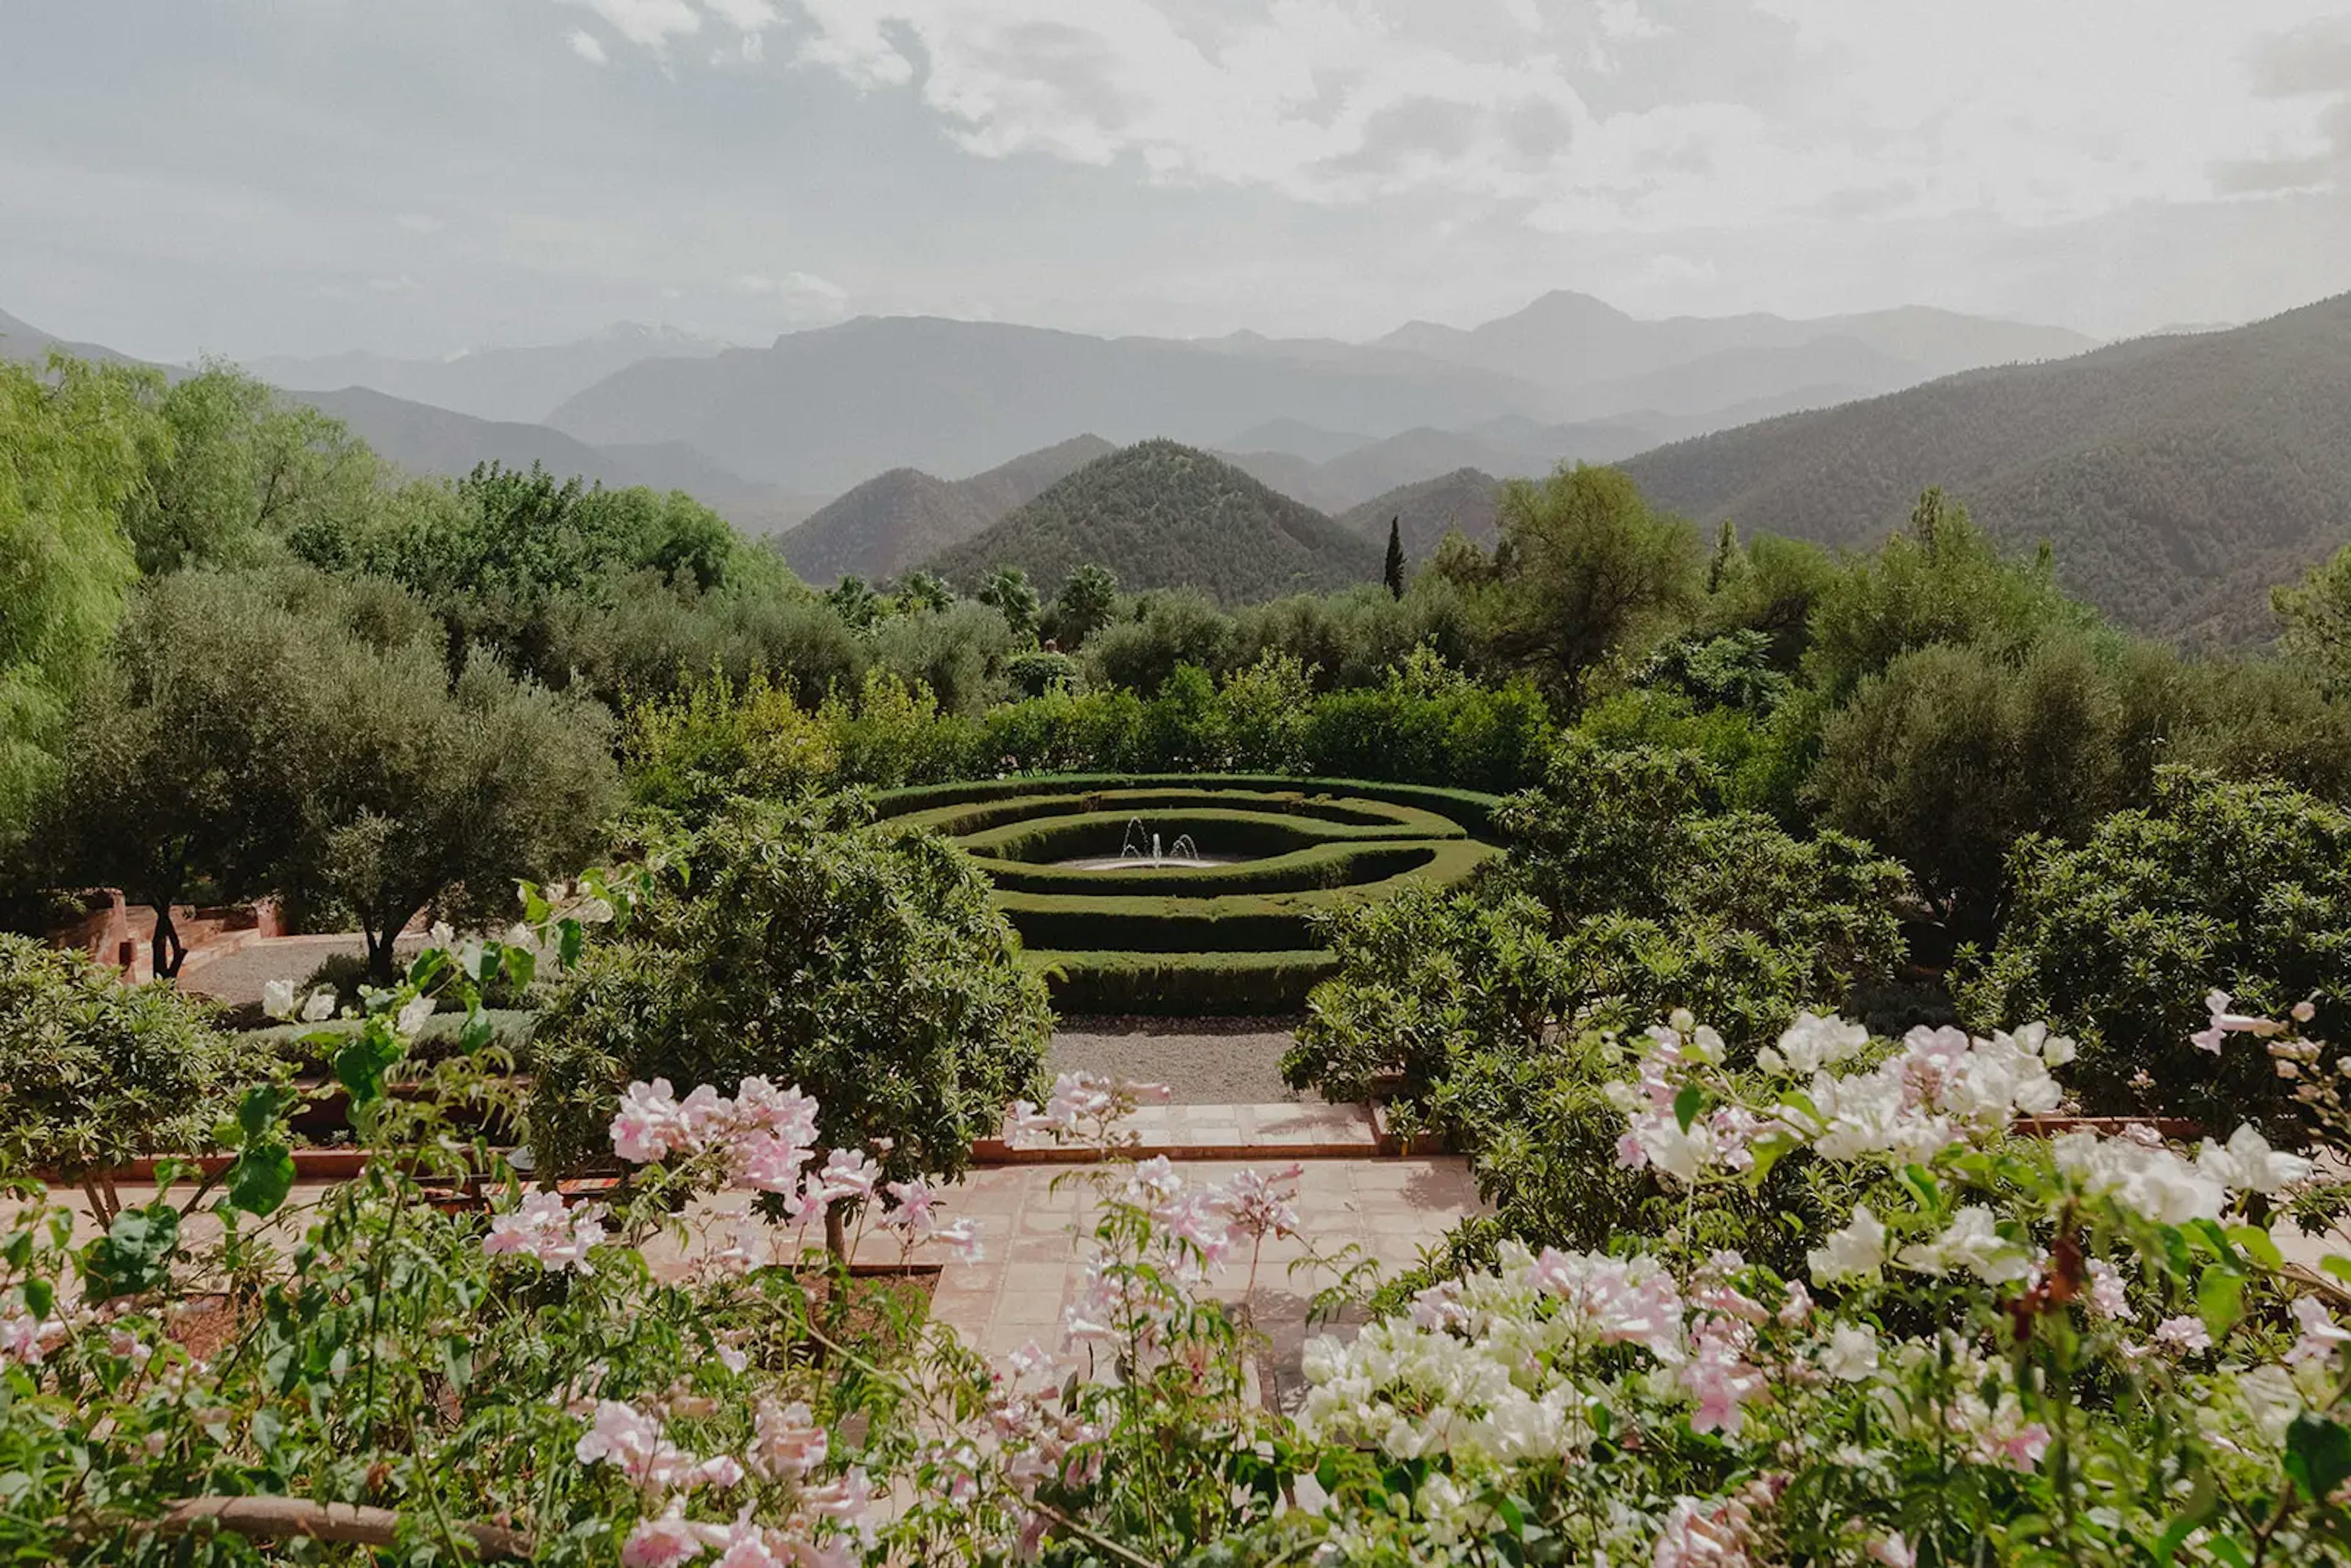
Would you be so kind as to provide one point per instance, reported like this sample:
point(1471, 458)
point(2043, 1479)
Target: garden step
point(1279, 1131)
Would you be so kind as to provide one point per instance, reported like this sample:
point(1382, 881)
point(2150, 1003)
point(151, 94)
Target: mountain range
point(505, 385)
point(1162, 514)
point(897, 520)
point(2176, 478)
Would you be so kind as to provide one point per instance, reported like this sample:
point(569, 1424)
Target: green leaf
point(360, 1066)
point(567, 942)
point(135, 1253)
point(2219, 1299)
point(2337, 1265)
point(40, 1297)
point(1768, 1151)
point(260, 1176)
point(520, 964)
point(1688, 1104)
point(257, 1112)
point(2317, 1455)
point(2257, 1242)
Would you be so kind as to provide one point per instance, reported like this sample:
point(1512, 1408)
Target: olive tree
point(863, 963)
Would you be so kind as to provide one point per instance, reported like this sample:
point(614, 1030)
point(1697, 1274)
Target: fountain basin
point(1146, 862)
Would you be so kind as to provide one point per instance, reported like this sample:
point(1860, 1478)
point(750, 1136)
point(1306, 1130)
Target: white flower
point(1850, 1355)
point(2249, 1164)
point(1812, 1043)
point(413, 1016)
point(1855, 1251)
point(2181, 1335)
point(2150, 1181)
point(320, 1007)
point(442, 934)
point(1973, 1244)
point(277, 999)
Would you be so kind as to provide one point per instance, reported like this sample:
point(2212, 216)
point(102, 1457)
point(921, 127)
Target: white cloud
point(651, 23)
point(584, 45)
point(419, 223)
point(744, 16)
point(2035, 113)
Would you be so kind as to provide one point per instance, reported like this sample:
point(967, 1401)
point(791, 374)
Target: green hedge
point(1473, 809)
point(1228, 924)
point(1230, 938)
point(968, 816)
point(1094, 834)
point(1316, 866)
point(1201, 984)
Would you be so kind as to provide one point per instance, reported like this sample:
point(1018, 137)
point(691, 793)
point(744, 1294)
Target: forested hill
point(1162, 514)
point(2176, 478)
point(1425, 512)
point(898, 520)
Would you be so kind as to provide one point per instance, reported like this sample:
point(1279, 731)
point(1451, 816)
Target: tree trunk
point(383, 950)
point(836, 1231)
point(169, 954)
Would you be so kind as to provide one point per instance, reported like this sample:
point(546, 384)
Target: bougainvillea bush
point(2082, 1348)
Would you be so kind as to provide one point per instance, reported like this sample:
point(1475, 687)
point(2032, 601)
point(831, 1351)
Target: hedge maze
point(1232, 937)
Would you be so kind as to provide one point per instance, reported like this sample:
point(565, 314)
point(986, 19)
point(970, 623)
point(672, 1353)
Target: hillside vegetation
point(2174, 478)
point(1466, 498)
point(1162, 514)
point(898, 520)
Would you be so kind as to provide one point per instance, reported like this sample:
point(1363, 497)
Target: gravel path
point(1206, 1061)
point(236, 979)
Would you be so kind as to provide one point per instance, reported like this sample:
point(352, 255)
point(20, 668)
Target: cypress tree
point(1394, 570)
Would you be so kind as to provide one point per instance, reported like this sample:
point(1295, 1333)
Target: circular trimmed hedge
point(1232, 937)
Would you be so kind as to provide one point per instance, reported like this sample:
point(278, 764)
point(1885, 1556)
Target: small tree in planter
point(96, 1073)
point(864, 964)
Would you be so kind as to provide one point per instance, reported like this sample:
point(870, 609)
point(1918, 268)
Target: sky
point(258, 177)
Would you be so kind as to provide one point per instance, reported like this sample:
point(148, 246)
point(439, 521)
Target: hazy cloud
point(584, 44)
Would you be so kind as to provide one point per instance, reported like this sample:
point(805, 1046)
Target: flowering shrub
point(2004, 1349)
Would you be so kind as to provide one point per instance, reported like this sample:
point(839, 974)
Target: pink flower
point(960, 1240)
point(786, 1442)
point(2182, 1334)
point(912, 1202)
point(768, 1161)
point(2321, 1336)
point(624, 1436)
point(661, 1543)
point(1892, 1551)
point(2225, 1022)
point(540, 1228)
point(848, 1173)
point(786, 1112)
point(25, 1338)
point(1721, 1382)
point(648, 1126)
point(1700, 1536)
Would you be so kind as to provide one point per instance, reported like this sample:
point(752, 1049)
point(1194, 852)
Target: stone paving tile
point(1392, 1209)
point(1218, 1132)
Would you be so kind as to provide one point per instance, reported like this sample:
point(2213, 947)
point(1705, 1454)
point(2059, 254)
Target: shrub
point(96, 1073)
point(864, 964)
point(1037, 672)
point(2244, 886)
point(1955, 754)
point(711, 740)
point(1175, 627)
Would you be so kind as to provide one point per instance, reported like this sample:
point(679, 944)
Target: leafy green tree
point(864, 964)
point(1771, 586)
point(959, 654)
point(240, 468)
point(1586, 571)
point(2316, 616)
point(2244, 886)
point(1087, 602)
point(1009, 593)
point(1942, 580)
point(183, 760)
point(1392, 572)
point(1624, 896)
point(75, 445)
point(1173, 628)
point(419, 793)
point(1955, 754)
